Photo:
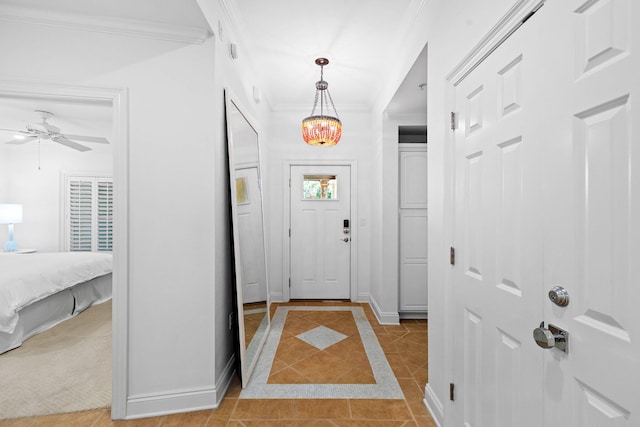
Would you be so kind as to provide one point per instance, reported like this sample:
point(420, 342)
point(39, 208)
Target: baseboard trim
point(434, 406)
point(363, 297)
point(179, 401)
point(384, 318)
point(277, 297)
point(222, 385)
point(414, 315)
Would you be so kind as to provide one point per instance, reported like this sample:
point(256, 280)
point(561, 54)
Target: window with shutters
point(88, 213)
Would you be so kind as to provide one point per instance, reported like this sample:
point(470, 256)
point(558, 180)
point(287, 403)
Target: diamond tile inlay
point(321, 337)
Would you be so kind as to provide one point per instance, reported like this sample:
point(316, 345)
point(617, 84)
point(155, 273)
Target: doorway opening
point(115, 101)
point(320, 223)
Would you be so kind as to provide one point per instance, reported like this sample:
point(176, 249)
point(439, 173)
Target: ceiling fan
point(45, 130)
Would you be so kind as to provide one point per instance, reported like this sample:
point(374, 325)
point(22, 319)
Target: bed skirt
point(56, 308)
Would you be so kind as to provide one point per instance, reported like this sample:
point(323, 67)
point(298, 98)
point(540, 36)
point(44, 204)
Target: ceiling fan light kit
point(45, 130)
point(323, 130)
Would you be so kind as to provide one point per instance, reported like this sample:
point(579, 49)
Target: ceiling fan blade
point(24, 140)
point(16, 131)
point(64, 141)
point(98, 139)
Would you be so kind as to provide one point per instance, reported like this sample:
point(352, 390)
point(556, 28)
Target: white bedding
point(26, 278)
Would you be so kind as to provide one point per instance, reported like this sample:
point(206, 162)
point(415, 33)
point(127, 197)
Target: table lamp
point(10, 214)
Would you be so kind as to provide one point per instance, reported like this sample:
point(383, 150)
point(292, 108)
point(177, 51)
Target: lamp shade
point(10, 214)
point(323, 130)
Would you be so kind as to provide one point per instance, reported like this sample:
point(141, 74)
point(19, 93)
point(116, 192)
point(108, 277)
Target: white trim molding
point(510, 22)
point(102, 24)
point(434, 406)
point(179, 401)
point(384, 318)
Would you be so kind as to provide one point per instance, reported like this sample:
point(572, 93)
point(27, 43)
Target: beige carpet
point(65, 369)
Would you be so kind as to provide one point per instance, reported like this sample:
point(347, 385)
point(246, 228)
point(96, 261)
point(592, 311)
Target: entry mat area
point(322, 352)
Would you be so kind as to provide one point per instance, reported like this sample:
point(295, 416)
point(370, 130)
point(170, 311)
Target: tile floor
point(253, 314)
point(404, 345)
point(297, 361)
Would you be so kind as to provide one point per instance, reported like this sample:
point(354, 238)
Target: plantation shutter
point(80, 215)
point(89, 213)
point(105, 215)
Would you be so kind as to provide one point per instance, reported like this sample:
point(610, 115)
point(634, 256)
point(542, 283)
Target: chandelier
point(322, 129)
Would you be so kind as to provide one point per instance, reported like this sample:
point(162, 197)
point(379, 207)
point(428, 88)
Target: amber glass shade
point(321, 130)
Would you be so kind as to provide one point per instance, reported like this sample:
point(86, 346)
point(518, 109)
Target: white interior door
point(251, 240)
point(320, 250)
point(546, 189)
point(498, 272)
point(592, 244)
point(413, 228)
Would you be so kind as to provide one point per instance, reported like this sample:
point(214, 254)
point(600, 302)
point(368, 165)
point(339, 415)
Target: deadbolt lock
point(559, 296)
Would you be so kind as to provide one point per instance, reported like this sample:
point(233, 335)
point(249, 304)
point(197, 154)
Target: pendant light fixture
point(323, 130)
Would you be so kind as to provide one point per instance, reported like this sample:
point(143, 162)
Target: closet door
point(413, 228)
point(498, 267)
point(547, 195)
point(592, 243)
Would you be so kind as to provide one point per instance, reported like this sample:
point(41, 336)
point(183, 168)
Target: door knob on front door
point(346, 239)
point(552, 337)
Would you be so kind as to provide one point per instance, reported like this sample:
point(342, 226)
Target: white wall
point(179, 279)
point(40, 191)
point(454, 27)
point(285, 143)
point(384, 262)
point(238, 76)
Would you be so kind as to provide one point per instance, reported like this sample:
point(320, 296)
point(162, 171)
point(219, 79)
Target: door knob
point(559, 296)
point(551, 337)
point(346, 239)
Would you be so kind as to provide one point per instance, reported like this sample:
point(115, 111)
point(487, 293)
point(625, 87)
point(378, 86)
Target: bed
point(40, 290)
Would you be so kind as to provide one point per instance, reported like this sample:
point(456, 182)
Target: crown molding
point(510, 22)
point(107, 25)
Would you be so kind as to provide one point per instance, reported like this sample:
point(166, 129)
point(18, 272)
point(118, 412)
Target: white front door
point(546, 192)
point(497, 276)
point(592, 237)
point(320, 250)
point(251, 236)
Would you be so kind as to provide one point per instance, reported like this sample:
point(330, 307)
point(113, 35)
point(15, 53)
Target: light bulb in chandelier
point(323, 129)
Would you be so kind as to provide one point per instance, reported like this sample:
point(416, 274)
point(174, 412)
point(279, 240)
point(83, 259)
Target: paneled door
point(320, 248)
point(546, 189)
point(251, 238)
point(413, 228)
point(497, 273)
point(592, 238)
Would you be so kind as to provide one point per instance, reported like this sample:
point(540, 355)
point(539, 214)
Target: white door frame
point(119, 100)
point(286, 221)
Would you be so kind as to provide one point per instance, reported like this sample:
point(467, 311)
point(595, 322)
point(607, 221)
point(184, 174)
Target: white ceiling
point(171, 12)
point(360, 38)
point(282, 37)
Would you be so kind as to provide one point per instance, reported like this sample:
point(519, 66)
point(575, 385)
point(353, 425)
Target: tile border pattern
point(386, 386)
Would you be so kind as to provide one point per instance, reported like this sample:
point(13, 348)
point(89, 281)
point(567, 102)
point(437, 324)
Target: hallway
point(404, 346)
